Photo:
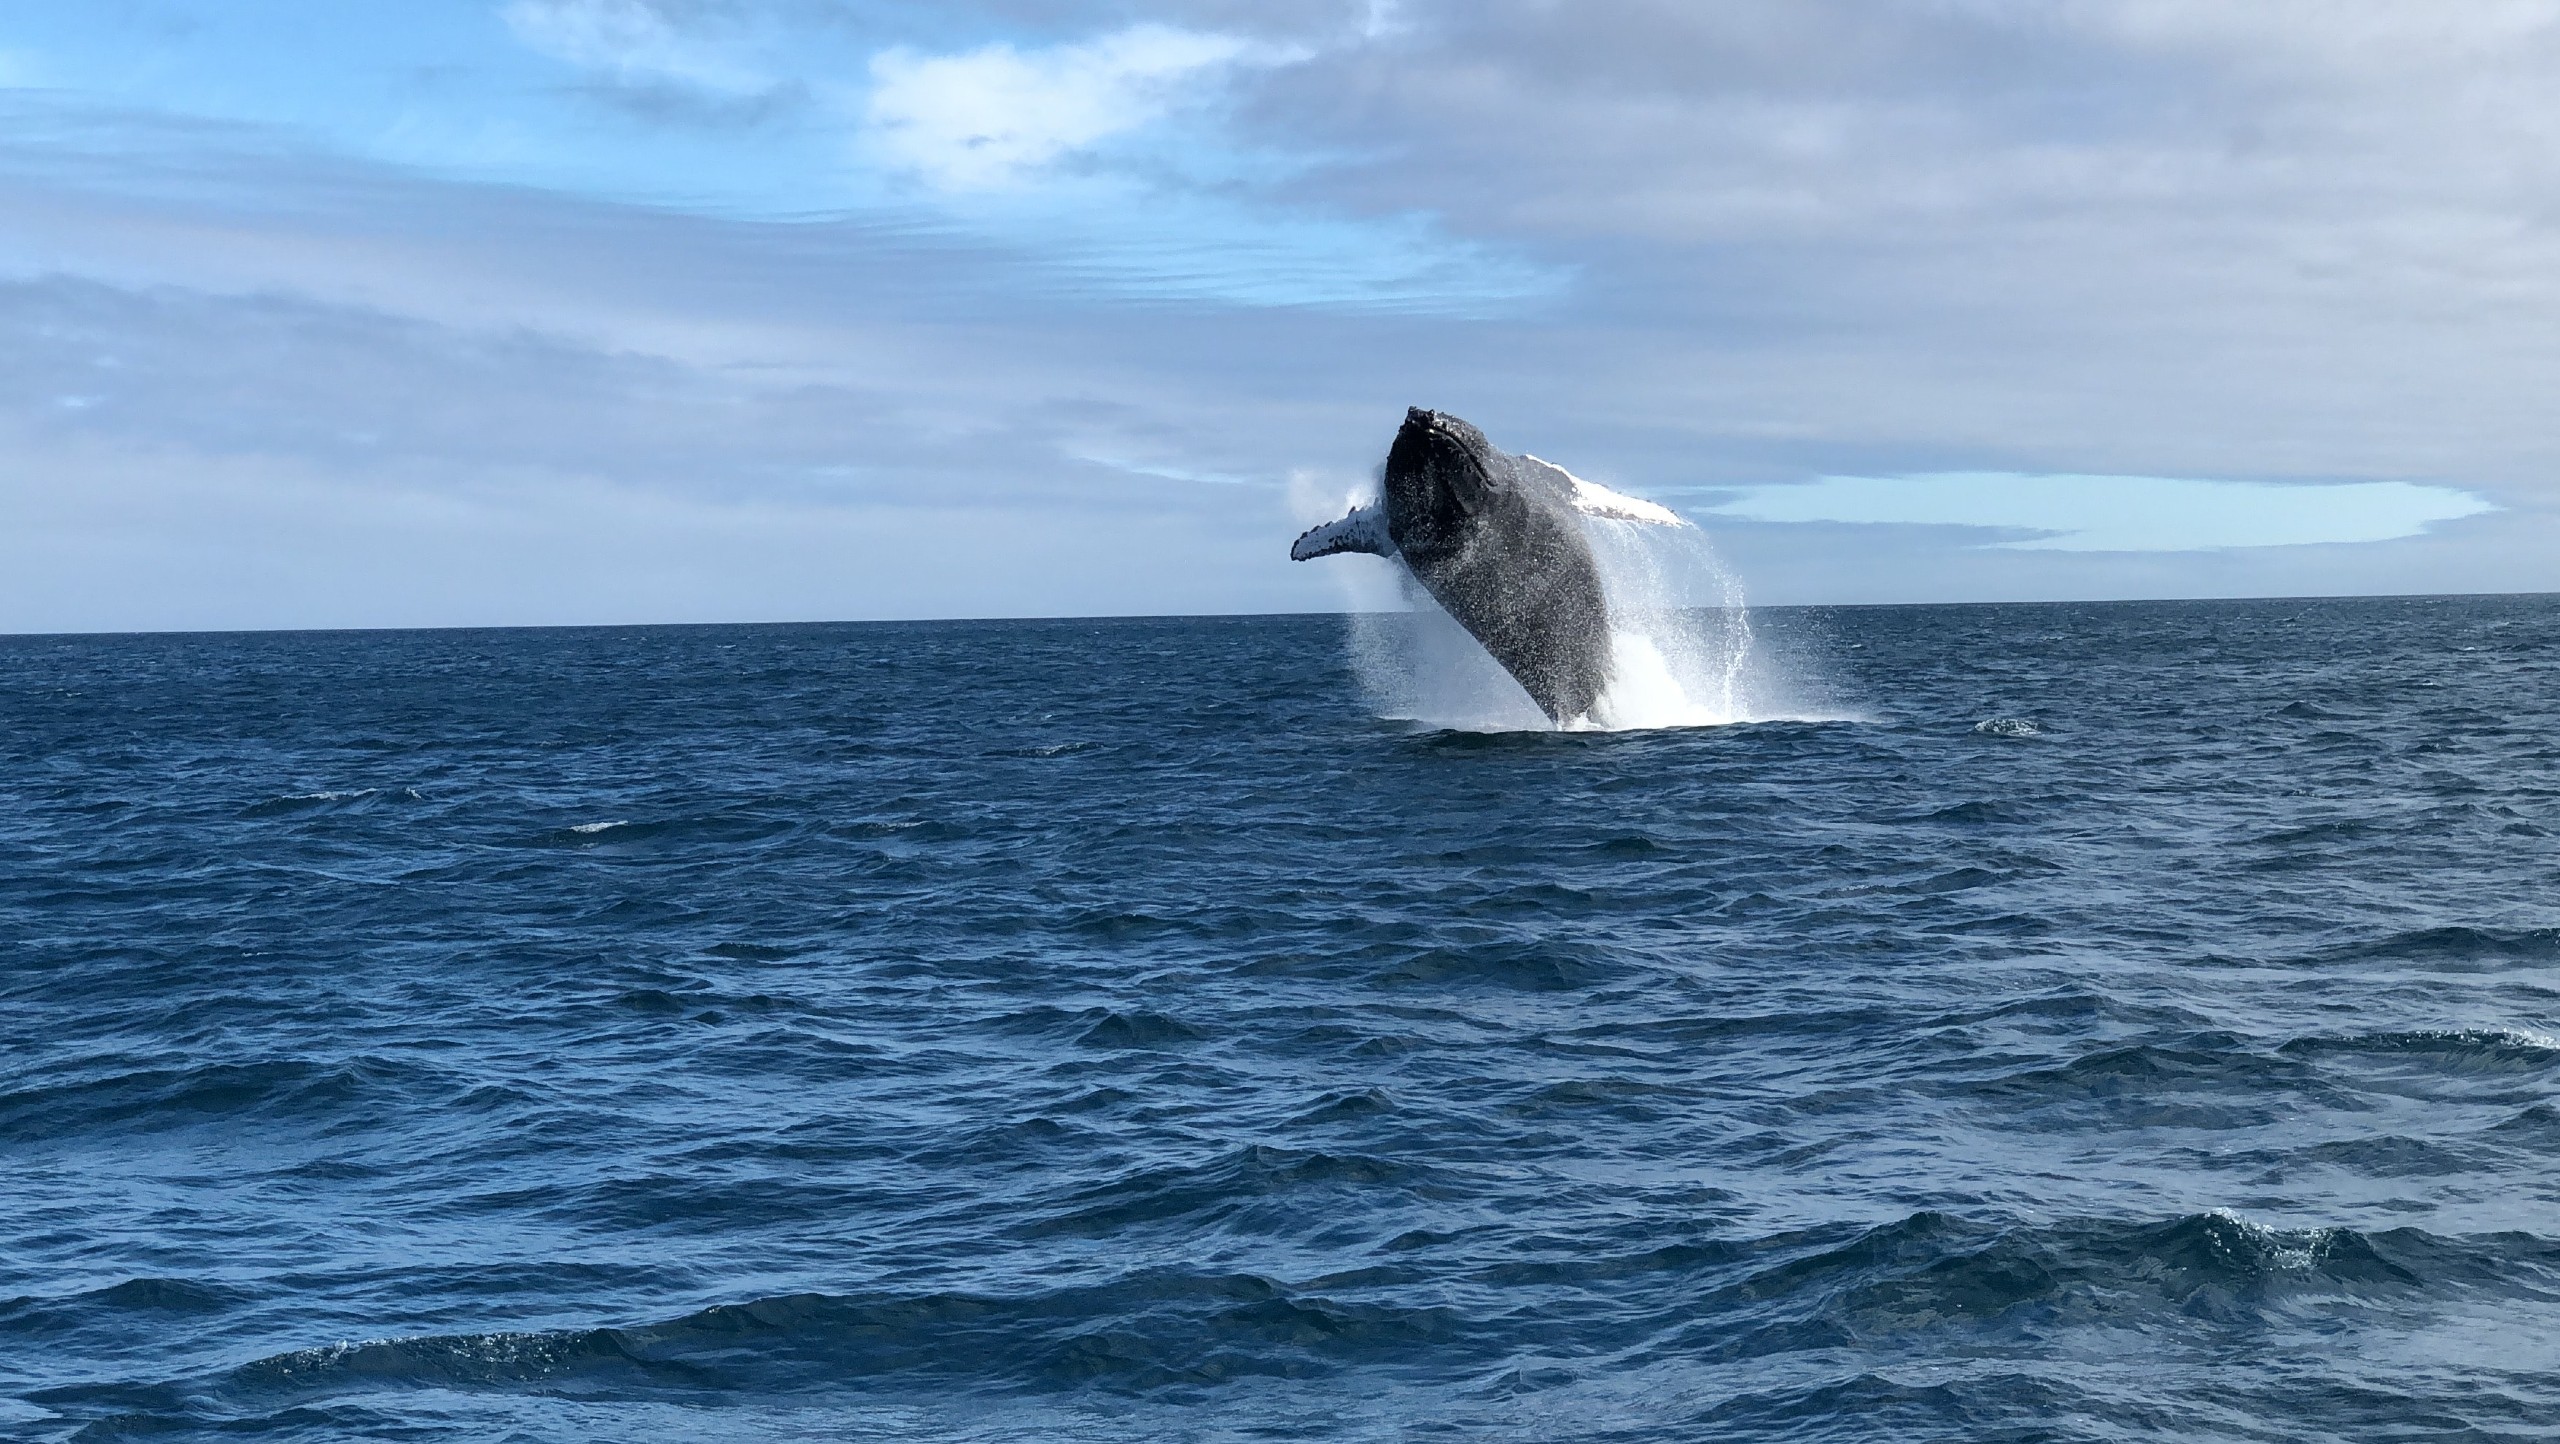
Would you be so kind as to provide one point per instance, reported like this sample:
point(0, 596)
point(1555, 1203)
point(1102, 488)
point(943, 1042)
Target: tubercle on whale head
point(1436, 454)
point(1444, 432)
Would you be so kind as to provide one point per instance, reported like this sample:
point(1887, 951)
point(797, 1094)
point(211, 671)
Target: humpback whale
point(1497, 540)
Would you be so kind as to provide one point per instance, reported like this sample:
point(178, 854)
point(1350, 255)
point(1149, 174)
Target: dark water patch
point(1042, 750)
point(1348, 1107)
point(2213, 1081)
point(2461, 1050)
point(2462, 947)
point(168, 1296)
point(752, 952)
point(1977, 813)
point(2539, 1123)
point(2386, 1156)
point(1633, 848)
point(171, 1302)
point(1522, 965)
point(1222, 1191)
point(1928, 1279)
point(1138, 1029)
point(2323, 834)
point(152, 1099)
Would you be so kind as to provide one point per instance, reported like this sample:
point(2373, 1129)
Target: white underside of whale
point(1592, 499)
point(1364, 530)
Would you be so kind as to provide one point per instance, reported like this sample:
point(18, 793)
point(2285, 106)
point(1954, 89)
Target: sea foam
point(1682, 649)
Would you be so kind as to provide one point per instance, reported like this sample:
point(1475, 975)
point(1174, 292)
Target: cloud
point(1727, 247)
point(998, 116)
point(1066, 152)
point(634, 42)
point(2118, 513)
point(1074, 149)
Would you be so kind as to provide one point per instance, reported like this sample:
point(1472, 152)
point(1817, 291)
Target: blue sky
point(468, 311)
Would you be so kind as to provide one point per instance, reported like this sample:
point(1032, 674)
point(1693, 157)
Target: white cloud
point(631, 41)
point(2119, 513)
point(992, 117)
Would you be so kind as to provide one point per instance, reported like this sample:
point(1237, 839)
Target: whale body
point(1498, 542)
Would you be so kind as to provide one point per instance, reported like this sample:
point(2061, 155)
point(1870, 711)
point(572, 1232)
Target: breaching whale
point(1497, 540)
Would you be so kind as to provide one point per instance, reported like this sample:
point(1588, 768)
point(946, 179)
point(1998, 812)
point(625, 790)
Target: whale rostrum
point(1498, 542)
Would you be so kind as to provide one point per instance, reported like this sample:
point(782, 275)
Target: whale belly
point(1528, 589)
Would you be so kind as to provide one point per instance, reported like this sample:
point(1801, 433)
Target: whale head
point(1440, 472)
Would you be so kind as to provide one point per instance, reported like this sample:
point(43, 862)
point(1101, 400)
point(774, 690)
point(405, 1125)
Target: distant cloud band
point(2118, 513)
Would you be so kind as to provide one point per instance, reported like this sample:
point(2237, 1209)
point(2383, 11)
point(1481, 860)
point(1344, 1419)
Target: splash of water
point(1682, 647)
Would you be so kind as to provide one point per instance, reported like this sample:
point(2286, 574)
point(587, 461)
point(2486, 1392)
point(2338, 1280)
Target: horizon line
point(9, 635)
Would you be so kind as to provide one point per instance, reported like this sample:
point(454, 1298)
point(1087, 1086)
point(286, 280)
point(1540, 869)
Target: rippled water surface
point(2140, 1025)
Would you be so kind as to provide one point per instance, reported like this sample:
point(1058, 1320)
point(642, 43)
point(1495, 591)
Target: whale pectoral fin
point(1592, 499)
point(1364, 530)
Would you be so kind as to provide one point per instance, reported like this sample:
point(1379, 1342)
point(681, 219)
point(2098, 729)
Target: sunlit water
point(2141, 1022)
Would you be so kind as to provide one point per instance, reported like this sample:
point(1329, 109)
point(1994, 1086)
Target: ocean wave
point(2477, 1050)
point(1143, 1333)
point(304, 804)
point(2474, 945)
point(166, 1300)
point(1977, 813)
point(1929, 1280)
point(1238, 1179)
point(153, 1099)
point(2205, 1080)
point(725, 828)
point(1139, 1028)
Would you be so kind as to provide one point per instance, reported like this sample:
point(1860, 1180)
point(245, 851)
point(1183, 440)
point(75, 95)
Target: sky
point(473, 312)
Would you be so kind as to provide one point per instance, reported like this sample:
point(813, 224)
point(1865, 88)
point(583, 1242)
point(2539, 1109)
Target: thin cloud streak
point(2117, 513)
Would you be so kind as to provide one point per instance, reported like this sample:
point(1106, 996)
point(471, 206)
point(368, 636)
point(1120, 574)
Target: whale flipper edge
point(1592, 499)
point(1364, 530)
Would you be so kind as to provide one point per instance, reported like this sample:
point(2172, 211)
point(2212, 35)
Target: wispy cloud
point(999, 116)
point(2118, 513)
point(634, 42)
point(1109, 159)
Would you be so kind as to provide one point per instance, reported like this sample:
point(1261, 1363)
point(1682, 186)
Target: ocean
point(2059, 1022)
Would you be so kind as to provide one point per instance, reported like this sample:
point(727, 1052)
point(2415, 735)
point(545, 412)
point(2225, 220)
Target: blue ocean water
point(2137, 1023)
